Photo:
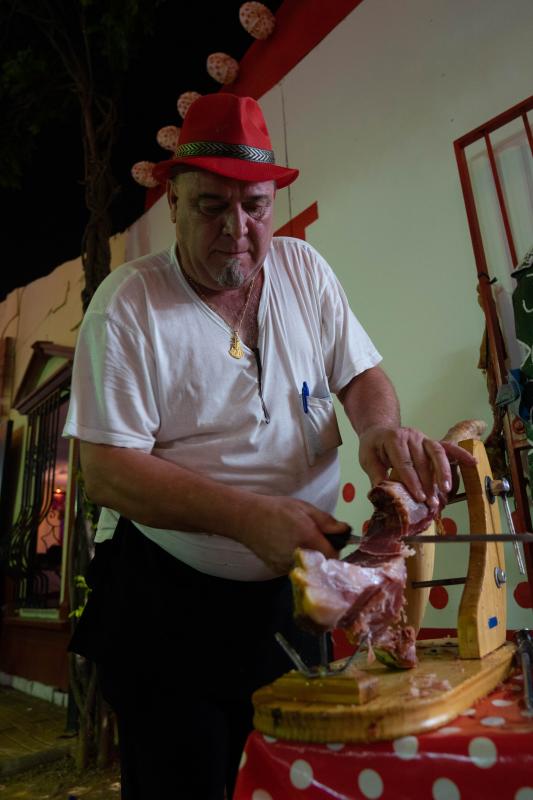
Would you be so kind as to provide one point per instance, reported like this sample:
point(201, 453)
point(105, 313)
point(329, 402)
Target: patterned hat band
point(217, 149)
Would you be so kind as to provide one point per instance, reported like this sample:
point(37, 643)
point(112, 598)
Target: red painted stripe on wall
point(297, 225)
point(300, 26)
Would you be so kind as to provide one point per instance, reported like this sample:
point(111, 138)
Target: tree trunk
point(99, 122)
point(106, 735)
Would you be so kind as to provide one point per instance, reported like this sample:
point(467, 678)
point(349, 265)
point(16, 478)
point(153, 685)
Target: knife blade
point(468, 538)
point(341, 540)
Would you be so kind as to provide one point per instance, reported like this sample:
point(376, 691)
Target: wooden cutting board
point(405, 702)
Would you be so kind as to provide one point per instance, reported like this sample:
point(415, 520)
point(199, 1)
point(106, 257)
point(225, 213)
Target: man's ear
point(172, 200)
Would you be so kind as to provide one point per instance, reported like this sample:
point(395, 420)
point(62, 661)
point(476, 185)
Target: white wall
point(151, 233)
point(48, 309)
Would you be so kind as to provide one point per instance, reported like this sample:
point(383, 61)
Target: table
point(486, 752)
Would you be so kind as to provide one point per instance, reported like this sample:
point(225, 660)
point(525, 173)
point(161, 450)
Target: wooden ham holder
point(371, 702)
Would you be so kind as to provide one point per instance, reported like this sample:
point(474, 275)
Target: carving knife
point(340, 540)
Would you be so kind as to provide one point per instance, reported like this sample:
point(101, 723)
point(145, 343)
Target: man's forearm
point(370, 400)
point(155, 492)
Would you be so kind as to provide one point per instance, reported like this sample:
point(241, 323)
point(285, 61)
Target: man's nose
point(235, 223)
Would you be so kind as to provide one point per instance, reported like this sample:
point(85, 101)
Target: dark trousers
point(179, 654)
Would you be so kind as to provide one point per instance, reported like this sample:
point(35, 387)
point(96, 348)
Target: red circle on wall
point(449, 526)
point(522, 595)
point(438, 597)
point(366, 523)
point(348, 492)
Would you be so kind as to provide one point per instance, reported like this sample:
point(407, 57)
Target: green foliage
point(90, 510)
point(388, 658)
point(55, 54)
point(81, 583)
point(23, 119)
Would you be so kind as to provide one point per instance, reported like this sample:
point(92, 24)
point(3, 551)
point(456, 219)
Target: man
point(201, 396)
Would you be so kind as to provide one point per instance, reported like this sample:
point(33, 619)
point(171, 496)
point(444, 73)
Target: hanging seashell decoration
point(257, 20)
point(168, 137)
point(142, 173)
point(185, 100)
point(222, 68)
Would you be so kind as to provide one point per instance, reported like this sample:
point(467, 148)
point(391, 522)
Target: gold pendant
point(236, 350)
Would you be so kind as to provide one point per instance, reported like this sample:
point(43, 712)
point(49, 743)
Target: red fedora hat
point(226, 134)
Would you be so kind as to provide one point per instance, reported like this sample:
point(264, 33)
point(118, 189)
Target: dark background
point(42, 223)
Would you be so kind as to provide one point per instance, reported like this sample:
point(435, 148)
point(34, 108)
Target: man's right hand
point(273, 527)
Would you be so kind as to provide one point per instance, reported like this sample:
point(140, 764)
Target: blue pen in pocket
point(305, 395)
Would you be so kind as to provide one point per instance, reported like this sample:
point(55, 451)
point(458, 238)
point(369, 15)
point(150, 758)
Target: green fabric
point(523, 312)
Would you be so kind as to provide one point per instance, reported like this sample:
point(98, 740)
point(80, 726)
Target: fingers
point(440, 464)
point(458, 455)
point(332, 533)
point(404, 451)
point(420, 463)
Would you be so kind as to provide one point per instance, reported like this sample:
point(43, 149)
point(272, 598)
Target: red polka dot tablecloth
point(486, 752)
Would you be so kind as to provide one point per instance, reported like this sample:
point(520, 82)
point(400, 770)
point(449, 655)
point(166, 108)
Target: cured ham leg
point(364, 594)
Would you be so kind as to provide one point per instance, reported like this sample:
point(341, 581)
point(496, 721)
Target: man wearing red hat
point(201, 395)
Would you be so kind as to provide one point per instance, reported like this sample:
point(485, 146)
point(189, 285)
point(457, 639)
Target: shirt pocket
point(320, 428)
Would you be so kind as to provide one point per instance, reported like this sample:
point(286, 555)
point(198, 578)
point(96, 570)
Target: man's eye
point(210, 209)
point(257, 211)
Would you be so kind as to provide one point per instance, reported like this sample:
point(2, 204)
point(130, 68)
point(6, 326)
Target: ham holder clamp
point(378, 595)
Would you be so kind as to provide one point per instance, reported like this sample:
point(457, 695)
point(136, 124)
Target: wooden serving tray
point(406, 702)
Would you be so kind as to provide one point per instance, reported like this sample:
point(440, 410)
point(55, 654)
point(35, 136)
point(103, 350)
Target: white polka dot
point(449, 730)
point(260, 794)
point(526, 713)
point(335, 745)
point(244, 759)
point(445, 789)
point(518, 677)
point(301, 774)
point(502, 703)
point(525, 793)
point(370, 784)
point(492, 722)
point(406, 747)
point(483, 752)
point(470, 712)
point(269, 739)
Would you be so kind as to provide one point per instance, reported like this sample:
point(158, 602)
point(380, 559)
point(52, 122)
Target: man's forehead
point(202, 182)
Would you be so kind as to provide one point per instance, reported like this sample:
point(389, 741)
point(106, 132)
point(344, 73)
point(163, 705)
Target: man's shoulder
point(143, 266)
point(291, 245)
point(294, 255)
point(136, 277)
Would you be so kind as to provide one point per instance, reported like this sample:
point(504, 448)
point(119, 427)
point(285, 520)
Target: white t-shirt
point(152, 372)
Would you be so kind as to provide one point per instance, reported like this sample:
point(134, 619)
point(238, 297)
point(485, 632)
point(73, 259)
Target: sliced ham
point(329, 593)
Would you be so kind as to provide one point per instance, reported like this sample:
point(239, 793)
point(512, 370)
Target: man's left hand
point(420, 463)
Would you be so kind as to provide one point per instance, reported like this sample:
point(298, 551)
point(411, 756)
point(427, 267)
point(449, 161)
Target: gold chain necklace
point(235, 349)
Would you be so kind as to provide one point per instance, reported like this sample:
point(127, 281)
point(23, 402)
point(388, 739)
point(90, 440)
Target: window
point(35, 549)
